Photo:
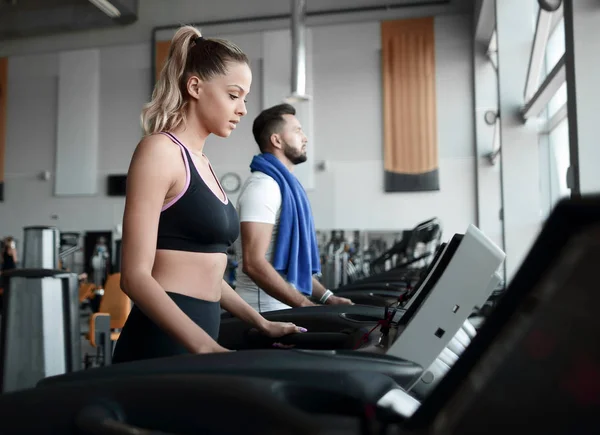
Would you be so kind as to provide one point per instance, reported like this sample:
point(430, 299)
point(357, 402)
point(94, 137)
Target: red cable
point(381, 323)
point(385, 322)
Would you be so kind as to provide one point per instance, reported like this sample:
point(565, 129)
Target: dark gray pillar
point(582, 40)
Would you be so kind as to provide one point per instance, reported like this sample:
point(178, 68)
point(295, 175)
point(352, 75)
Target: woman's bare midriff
point(195, 274)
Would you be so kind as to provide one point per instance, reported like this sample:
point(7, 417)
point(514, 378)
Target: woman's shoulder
point(157, 150)
point(155, 156)
point(157, 144)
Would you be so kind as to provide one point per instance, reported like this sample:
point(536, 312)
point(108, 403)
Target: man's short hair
point(270, 121)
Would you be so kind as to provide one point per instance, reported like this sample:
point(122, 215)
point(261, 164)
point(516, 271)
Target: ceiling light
point(106, 7)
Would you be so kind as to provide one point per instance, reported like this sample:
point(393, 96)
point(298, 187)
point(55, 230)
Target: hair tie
point(198, 39)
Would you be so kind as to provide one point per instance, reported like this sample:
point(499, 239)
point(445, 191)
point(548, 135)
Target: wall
point(31, 139)
point(348, 125)
point(346, 84)
point(347, 134)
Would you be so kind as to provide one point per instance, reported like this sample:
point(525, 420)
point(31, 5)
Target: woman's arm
point(237, 306)
point(152, 173)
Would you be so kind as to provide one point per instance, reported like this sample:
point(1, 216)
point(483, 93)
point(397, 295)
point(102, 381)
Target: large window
point(558, 140)
point(554, 133)
point(555, 47)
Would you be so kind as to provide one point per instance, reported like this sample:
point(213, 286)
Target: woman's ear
point(194, 87)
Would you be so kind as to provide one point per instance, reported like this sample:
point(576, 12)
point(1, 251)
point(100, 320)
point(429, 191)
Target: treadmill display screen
point(430, 279)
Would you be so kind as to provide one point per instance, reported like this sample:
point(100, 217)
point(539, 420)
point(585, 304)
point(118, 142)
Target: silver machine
point(40, 333)
point(41, 248)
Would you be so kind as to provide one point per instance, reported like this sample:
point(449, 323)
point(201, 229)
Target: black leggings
point(142, 339)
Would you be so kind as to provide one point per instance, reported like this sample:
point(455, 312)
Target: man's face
point(294, 140)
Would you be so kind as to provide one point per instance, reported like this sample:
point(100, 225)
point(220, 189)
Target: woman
point(178, 221)
point(9, 254)
point(9, 258)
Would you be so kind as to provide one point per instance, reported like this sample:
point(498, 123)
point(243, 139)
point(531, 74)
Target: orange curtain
point(3, 108)
point(409, 105)
point(161, 50)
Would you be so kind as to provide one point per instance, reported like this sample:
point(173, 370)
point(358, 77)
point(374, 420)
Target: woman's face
point(220, 102)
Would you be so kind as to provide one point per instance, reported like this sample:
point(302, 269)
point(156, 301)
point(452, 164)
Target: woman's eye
point(233, 97)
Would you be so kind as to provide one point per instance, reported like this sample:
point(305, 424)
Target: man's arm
point(318, 292)
point(256, 237)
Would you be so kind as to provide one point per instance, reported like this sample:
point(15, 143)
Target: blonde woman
point(178, 221)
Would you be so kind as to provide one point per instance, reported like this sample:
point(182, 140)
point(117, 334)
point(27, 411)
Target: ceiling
point(26, 18)
point(30, 18)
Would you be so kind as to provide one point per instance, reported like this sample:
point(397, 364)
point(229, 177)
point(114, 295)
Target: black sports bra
point(197, 220)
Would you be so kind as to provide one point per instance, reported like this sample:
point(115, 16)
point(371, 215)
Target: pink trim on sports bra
point(176, 140)
point(187, 172)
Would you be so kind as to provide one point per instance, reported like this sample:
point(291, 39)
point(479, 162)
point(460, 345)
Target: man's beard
point(293, 155)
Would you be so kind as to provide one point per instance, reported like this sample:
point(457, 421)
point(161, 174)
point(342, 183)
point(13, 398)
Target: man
point(278, 241)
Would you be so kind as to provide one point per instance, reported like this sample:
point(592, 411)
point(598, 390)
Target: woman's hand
point(279, 329)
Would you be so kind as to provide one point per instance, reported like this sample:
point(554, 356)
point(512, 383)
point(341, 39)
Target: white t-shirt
point(259, 201)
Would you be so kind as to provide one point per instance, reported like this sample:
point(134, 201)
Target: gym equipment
point(406, 252)
point(384, 285)
point(69, 245)
point(550, 5)
point(105, 324)
point(388, 287)
point(458, 291)
point(346, 263)
point(334, 327)
point(40, 333)
point(450, 354)
point(345, 328)
point(537, 353)
point(522, 366)
point(41, 247)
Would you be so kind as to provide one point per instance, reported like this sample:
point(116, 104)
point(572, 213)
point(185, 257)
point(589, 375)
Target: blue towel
point(296, 251)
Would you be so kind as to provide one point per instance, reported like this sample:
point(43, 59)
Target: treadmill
point(335, 320)
point(382, 285)
point(372, 350)
point(535, 364)
point(524, 370)
point(384, 289)
point(336, 327)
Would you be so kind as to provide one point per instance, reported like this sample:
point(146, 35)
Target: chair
point(106, 324)
point(86, 292)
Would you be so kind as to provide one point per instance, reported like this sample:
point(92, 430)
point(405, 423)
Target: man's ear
point(194, 86)
point(276, 141)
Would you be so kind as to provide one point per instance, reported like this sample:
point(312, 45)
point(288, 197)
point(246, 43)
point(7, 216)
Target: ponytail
point(187, 55)
point(165, 112)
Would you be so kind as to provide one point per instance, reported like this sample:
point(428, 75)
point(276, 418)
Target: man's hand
point(336, 300)
point(279, 329)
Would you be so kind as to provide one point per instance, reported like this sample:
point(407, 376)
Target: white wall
point(31, 139)
point(347, 134)
point(348, 115)
point(346, 85)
